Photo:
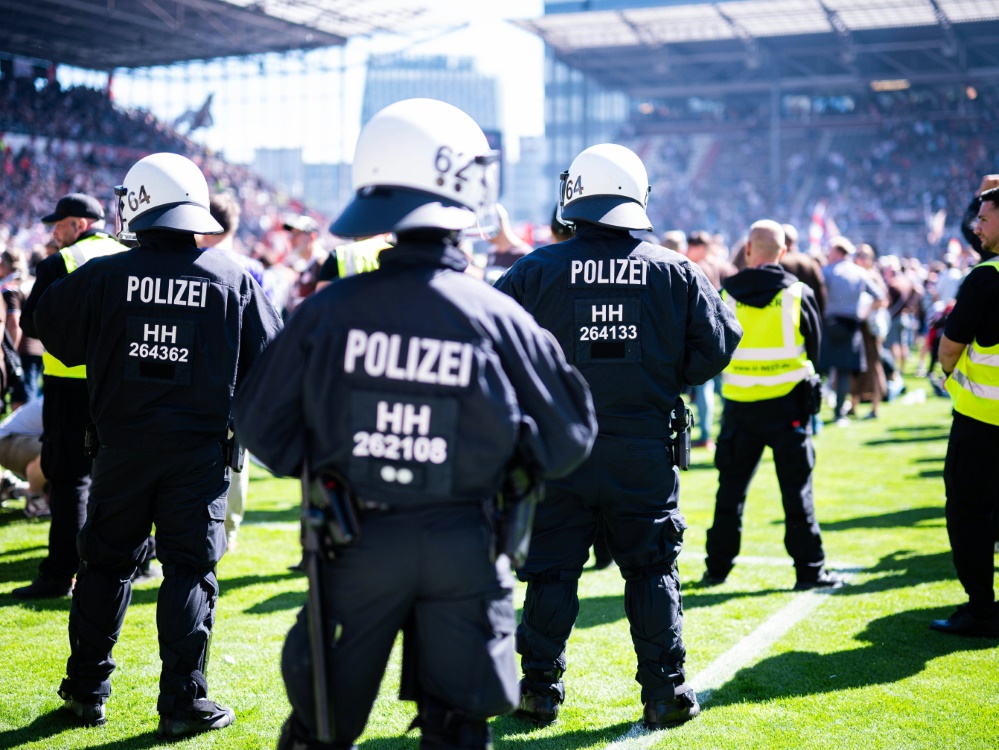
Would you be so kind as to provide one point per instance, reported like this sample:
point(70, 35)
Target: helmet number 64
point(133, 202)
point(573, 187)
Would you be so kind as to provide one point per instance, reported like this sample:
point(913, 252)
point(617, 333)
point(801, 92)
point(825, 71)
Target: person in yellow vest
point(768, 392)
point(77, 229)
point(969, 355)
point(352, 258)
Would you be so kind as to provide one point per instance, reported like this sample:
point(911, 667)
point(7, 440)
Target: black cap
point(75, 204)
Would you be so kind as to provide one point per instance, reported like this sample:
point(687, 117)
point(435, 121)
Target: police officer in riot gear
point(640, 322)
point(771, 391)
point(423, 387)
point(78, 229)
point(167, 332)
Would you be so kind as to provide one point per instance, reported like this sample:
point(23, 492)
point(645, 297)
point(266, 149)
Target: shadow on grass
point(287, 600)
point(916, 428)
point(11, 516)
point(903, 438)
point(908, 518)
point(903, 569)
point(897, 570)
point(25, 569)
point(292, 514)
point(56, 722)
point(898, 646)
point(600, 610)
point(511, 732)
point(931, 474)
point(43, 727)
point(22, 550)
point(147, 593)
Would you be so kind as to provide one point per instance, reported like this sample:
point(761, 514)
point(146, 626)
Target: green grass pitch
point(857, 668)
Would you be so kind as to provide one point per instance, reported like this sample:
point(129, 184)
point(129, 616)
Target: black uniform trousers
point(972, 508)
point(748, 428)
point(630, 486)
point(65, 416)
point(426, 569)
point(184, 494)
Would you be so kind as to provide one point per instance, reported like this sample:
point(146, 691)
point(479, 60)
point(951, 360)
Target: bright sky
point(310, 110)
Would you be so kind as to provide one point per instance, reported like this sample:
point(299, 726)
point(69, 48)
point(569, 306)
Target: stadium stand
point(55, 141)
point(883, 169)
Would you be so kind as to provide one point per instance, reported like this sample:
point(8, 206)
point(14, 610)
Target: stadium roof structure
point(691, 48)
point(109, 34)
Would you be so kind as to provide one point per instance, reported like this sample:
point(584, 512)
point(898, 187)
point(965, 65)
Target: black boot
point(89, 713)
point(44, 587)
point(201, 716)
point(541, 693)
point(666, 713)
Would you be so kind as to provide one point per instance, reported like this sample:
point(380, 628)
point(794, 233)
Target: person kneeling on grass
point(20, 457)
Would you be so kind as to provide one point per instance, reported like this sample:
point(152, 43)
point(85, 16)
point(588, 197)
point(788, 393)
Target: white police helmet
point(421, 163)
point(164, 191)
point(607, 184)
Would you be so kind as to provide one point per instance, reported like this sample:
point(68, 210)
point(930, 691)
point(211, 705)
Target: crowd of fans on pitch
point(891, 161)
point(902, 334)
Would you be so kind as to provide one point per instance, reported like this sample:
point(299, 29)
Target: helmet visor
point(120, 191)
point(563, 180)
point(486, 170)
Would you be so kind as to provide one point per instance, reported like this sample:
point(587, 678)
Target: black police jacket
point(47, 272)
point(418, 382)
point(167, 333)
point(638, 320)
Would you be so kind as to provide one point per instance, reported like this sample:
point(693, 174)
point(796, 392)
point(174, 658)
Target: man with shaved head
point(770, 391)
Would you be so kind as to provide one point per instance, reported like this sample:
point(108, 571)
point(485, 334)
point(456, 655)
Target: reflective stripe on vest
point(771, 358)
point(359, 257)
point(974, 384)
point(75, 256)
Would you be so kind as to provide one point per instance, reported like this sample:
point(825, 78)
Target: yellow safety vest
point(359, 257)
point(75, 256)
point(974, 384)
point(771, 359)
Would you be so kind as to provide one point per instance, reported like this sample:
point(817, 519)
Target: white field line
point(722, 669)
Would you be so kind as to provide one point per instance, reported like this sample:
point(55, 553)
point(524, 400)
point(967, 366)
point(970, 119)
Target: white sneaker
point(843, 422)
point(36, 505)
point(12, 486)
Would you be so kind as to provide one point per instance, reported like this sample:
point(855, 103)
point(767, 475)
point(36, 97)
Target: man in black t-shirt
point(969, 355)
